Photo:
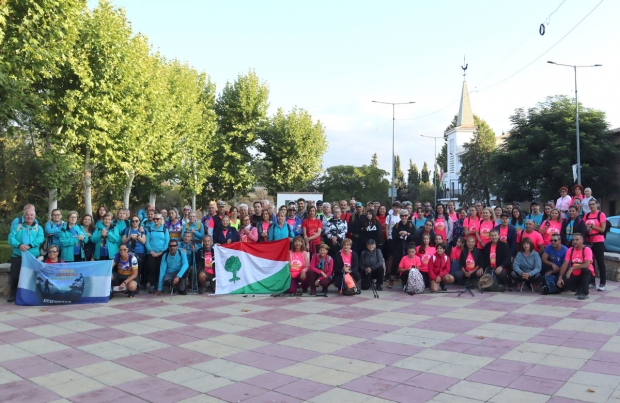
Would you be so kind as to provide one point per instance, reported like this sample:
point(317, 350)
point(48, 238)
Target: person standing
point(571, 225)
point(157, 238)
point(106, 239)
point(402, 234)
point(25, 238)
point(72, 239)
point(54, 227)
point(596, 222)
point(564, 201)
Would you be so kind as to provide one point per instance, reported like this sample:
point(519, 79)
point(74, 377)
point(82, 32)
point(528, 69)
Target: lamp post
point(393, 157)
point(434, 165)
point(576, 114)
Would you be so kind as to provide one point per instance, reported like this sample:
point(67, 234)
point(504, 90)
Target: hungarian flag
point(252, 268)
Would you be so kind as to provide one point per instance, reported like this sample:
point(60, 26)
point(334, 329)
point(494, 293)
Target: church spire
point(466, 116)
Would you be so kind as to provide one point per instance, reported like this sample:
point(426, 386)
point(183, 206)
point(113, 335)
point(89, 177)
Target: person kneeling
point(527, 266)
point(577, 276)
point(173, 267)
point(321, 269)
point(470, 263)
point(408, 262)
point(205, 264)
point(125, 272)
point(439, 270)
point(372, 266)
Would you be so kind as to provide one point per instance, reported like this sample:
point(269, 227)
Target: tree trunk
point(88, 171)
point(194, 192)
point(127, 192)
point(153, 198)
point(52, 203)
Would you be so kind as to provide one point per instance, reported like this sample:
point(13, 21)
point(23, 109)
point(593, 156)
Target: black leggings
point(598, 252)
point(579, 282)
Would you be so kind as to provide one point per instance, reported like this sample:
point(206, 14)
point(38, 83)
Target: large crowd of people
point(548, 250)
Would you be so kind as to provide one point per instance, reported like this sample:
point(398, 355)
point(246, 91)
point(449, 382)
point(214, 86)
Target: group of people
point(330, 240)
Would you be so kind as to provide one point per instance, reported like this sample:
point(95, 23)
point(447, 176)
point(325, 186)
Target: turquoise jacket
point(113, 240)
point(199, 230)
point(27, 235)
point(276, 232)
point(171, 264)
point(53, 230)
point(68, 242)
point(157, 238)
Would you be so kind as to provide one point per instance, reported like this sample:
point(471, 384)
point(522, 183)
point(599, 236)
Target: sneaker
point(10, 299)
point(592, 285)
point(152, 290)
point(391, 284)
point(601, 287)
point(443, 287)
point(519, 287)
point(533, 287)
point(378, 287)
point(545, 290)
point(583, 296)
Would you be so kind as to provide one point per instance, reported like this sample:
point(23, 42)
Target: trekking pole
point(374, 288)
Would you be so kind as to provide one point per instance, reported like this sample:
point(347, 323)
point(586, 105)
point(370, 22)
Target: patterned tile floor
point(510, 347)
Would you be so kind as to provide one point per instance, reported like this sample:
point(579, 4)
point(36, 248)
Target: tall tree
point(374, 161)
point(442, 157)
point(241, 109)
point(364, 183)
point(478, 177)
point(413, 181)
point(536, 157)
point(425, 176)
point(293, 147)
point(399, 178)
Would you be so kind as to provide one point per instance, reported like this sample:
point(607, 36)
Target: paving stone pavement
point(510, 347)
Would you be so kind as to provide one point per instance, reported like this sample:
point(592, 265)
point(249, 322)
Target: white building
point(456, 137)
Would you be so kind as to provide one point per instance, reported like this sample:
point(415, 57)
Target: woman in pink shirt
point(563, 202)
point(486, 225)
point(425, 252)
point(472, 223)
point(596, 222)
point(577, 194)
point(247, 233)
point(299, 264)
point(551, 226)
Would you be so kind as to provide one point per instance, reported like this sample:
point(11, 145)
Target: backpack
point(598, 217)
point(415, 282)
point(489, 273)
point(348, 285)
point(549, 285)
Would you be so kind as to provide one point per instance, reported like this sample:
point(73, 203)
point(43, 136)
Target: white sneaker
point(601, 288)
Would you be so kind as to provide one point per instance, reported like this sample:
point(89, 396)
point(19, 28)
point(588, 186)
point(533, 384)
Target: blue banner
point(63, 283)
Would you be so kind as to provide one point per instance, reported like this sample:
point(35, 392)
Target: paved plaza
point(510, 347)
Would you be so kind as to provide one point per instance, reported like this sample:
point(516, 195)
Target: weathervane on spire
point(464, 67)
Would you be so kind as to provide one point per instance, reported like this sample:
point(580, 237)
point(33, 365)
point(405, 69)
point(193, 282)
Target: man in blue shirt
point(173, 267)
point(535, 214)
point(553, 257)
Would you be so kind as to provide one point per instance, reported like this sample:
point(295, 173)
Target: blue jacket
point(199, 230)
point(276, 232)
point(297, 230)
point(53, 230)
point(218, 235)
point(68, 242)
point(157, 238)
point(19, 220)
point(172, 264)
point(187, 249)
point(113, 240)
point(27, 235)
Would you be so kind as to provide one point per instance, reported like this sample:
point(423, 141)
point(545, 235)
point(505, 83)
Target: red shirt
point(312, 227)
point(456, 253)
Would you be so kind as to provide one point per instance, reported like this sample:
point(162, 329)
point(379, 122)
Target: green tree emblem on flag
point(233, 265)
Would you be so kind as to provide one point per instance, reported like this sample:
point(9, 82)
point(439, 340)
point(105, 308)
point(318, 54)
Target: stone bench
point(612, 264)
point(5, 283)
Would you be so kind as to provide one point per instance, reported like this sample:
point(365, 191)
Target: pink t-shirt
point(484, 232)
point(592, 219)
point(297, 263)
point(536, 238)
point(209, 263)
point(346, 259)
point(553, 228)
point(453, 217)
point(407, 263)
point(455, 254)
point(580, 256)
point(441, 227)
point(493, 256)
point(503, 234)
point(471, 224)
point(425, 257)
point(470, 262)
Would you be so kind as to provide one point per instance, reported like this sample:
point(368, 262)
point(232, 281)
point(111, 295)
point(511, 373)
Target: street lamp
point(435, 164)
point(576, 114)
point(393, 157)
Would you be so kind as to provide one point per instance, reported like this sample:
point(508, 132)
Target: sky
point(333, 58)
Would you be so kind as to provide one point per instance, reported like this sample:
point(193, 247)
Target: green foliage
point(399, 178)
point(425, 176)
point(478, 176)
point(241, 110)
point(413, 182)
point(536, 158)
point(293, 147)
point(442, 158)
point(363, 183)
point(233, 265)
point(374, 161)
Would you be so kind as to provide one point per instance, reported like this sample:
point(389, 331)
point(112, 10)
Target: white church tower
point(456, 137)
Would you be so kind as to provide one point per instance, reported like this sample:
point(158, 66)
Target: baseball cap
point(504, 214)
point(359, 204)
point(158, 216)
point(534, 203)
point(221, 203)
point(371, 241)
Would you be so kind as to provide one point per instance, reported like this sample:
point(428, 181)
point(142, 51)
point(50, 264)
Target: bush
point(5, 252)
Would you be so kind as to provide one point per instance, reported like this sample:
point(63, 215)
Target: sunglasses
point(52, 251)
point(173, 246)
point(555, 240)
point(135, 220)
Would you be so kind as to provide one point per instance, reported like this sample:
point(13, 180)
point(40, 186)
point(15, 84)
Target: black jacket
point(372, 231)
point(339, 264)
point(476, 253)
point(502, 255)
point(578, 226)
point(373, 260)
point(401, 243)
point(200, 258)
point(417, 238)
point(511, 240)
